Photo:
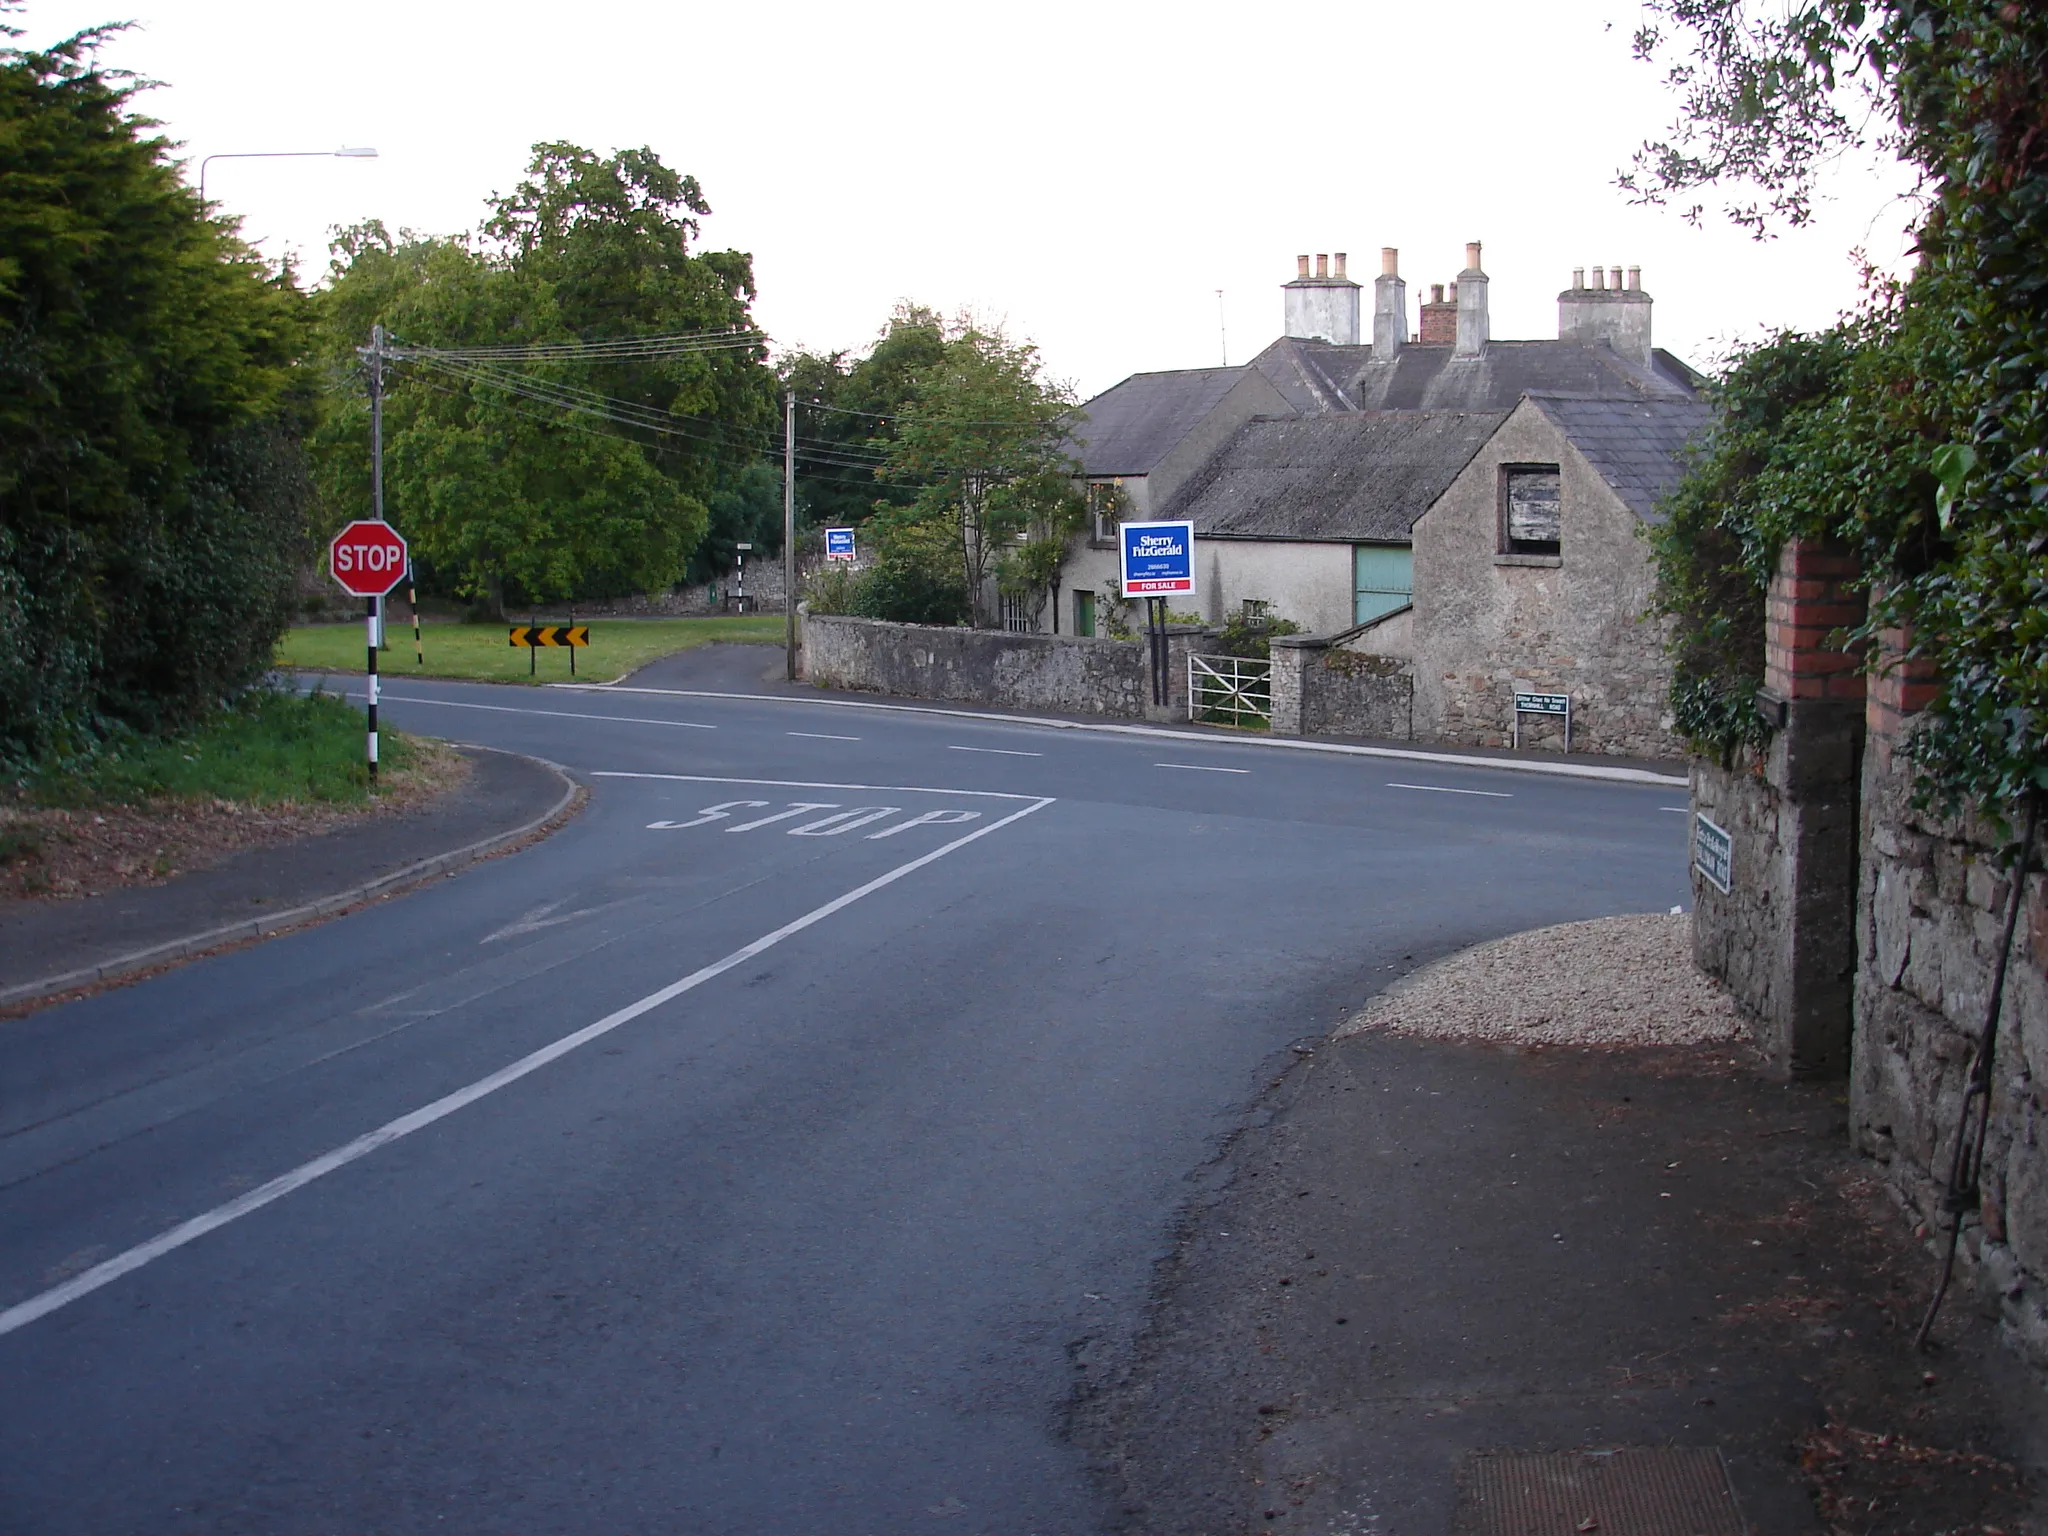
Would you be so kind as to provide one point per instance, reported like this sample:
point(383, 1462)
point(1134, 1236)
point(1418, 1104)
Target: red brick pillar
point(1812, 596)
point(1900, 687)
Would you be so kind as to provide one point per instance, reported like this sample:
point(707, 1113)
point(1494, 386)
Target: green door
point(1084, 613)
point(1383, 579)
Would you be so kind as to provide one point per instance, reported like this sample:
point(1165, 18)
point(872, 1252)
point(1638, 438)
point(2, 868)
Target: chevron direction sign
point(550, 634)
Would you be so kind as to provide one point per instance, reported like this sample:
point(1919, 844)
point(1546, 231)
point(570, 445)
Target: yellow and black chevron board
point(550, 634)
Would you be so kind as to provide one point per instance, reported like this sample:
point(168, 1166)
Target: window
point(1018, 617)
point(1532, 520)
point(1084, 613)
point(1383, 579)
point(1107, 506)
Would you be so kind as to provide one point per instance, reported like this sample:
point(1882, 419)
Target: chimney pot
point(1472, 255)
point(1390, 260)
point(1322, 265)
point(1341, 259)
point(1578, 277)
point(1436, 293)
point(1599, 277)
point(1301, 266)
point(1635, 278)
point(1615, 280)
point(1451, 292)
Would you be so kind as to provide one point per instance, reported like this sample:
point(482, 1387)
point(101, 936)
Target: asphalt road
point(766, 1152)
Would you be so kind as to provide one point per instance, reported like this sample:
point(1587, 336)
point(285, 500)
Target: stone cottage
point(1466, 506)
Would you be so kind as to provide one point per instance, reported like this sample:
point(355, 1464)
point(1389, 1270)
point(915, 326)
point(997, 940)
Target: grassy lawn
point(269, 749)
point(480, 651)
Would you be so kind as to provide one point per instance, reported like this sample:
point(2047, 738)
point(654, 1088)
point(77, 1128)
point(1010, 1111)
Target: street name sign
point(838, 543)
point(1543, 703)
point(1158, 558)
point(1713, 852)
point(367, 558)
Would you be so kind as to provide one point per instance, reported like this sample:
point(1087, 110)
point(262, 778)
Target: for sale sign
point(367, 558)
point(1158, 558)
point(838, 543)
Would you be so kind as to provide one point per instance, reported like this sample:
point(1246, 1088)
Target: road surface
point(772, 1150)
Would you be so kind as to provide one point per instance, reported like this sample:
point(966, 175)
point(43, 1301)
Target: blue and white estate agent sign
point(838, 543)
point(1158, 558)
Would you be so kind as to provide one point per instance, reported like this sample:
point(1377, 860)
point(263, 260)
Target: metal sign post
point(368, 559)
point(1557, 705)
point(1157, 561)
point(739, 591)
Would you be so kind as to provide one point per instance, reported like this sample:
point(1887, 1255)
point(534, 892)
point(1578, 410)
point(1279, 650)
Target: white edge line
point(998, 751)
point(820, 736)
point(885, 789)
point(1285, 743)
point(1201, 768)
point(1445, 789)
point(384, 697)
point(23, 1313)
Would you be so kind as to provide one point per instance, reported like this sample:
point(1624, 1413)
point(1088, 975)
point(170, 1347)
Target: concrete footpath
point(52, 948)
point(1431, 1268)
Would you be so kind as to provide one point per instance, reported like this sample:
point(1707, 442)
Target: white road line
point(1200, 768)
point(1683, 810)
point(21, 1314)
point(560, 714)
point(821, 736)
point(998, 751)
point(882, 789)
point(1441, 789)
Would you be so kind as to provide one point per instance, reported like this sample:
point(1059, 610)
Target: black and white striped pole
point(367, 557)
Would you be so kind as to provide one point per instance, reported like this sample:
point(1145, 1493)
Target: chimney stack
point(1607, 313)
point(1389, 308)
point(1322, 307)
point(1439, 319)
point(1472, 320)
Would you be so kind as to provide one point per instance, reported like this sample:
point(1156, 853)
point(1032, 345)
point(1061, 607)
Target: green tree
point(152, 488)
point(983, 440)
point(534, 475)
point(1925, 447)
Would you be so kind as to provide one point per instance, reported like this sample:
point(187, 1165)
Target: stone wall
point(1489, 624)
point(1930, 913)
point(1059, 674)
point(1321, 689)
point(1782, 937)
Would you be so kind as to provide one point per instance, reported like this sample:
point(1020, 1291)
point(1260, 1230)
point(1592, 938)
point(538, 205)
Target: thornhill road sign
point(367, 558)
point(1158, 558)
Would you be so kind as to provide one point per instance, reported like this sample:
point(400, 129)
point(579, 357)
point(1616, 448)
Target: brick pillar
point(1811, 596)
point(1900, 687)
point(1783, 936)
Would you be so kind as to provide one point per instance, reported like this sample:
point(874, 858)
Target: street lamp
point(281, 154)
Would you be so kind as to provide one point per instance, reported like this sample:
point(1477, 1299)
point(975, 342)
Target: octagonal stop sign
point(367, 558)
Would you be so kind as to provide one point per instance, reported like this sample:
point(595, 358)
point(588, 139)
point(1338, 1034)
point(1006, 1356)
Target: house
point(1466, 505)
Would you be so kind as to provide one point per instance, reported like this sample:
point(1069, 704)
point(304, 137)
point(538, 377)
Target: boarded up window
point(1534, 513)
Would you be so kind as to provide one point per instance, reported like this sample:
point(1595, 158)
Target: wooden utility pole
point(789, 521)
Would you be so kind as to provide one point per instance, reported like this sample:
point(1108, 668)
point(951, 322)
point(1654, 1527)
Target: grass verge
point(273, 768)
point(480, 652)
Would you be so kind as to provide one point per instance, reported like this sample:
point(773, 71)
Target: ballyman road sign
point(1158, 558)
point(367, 558)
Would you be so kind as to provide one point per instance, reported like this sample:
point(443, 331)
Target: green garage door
point(1383, 579)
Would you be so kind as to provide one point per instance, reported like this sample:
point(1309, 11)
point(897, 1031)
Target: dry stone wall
point(1321, 689)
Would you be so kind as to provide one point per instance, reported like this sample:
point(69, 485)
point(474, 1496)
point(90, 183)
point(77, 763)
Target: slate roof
point(1339, 477)
point(1638, 446)
point(1128, 429)
point(1318, 376)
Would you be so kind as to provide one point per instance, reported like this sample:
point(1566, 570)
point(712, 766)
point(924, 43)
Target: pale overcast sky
point(1089, 173)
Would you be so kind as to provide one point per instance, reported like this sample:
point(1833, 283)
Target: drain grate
point(1653, 1491)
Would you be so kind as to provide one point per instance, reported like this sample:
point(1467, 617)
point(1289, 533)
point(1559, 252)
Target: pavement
point(863, 1121)
point(47, 948)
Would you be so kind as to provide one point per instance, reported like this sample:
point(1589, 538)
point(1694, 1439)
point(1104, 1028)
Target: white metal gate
point(1231, 690)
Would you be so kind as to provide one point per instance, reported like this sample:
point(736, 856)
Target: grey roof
point(1638, 446)
point(1128, 429)
point(1320, 376)
point(1341, 477)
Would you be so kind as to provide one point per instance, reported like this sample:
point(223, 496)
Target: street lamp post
point(281, 154)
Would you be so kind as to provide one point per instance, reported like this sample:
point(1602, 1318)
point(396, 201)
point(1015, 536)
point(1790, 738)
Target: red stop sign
point(367, 558)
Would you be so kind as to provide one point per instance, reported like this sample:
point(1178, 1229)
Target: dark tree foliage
point(1917, 434)
point(152, 489)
